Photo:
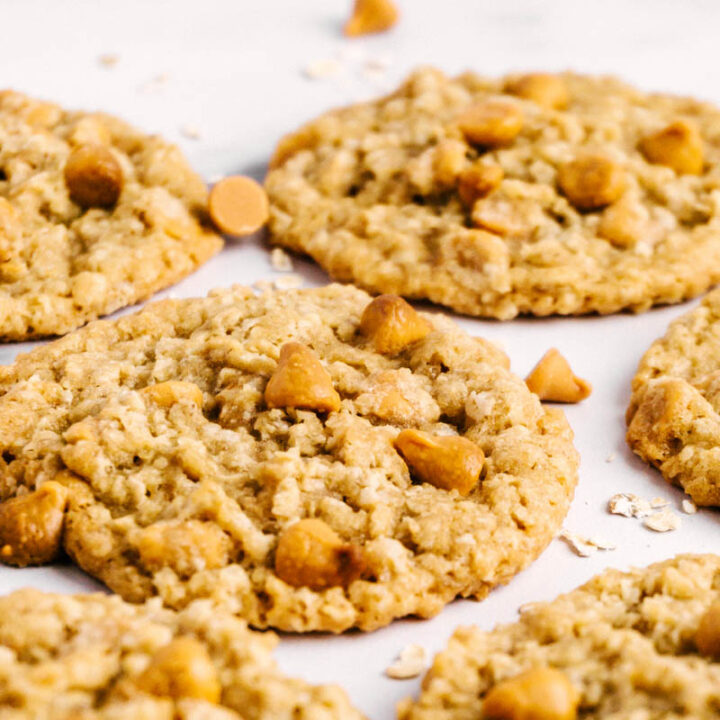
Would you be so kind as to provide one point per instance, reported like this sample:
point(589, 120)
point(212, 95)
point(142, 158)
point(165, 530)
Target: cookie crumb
point(584, 547)
point(108, 60)
point(323, 69)
point(610, 457)
point(154, 85)
point(689, 507)
point(280, 260)
point(411, 661)
point(288, 282)
point(192, 132)
point(629, 505)
point(663, 521)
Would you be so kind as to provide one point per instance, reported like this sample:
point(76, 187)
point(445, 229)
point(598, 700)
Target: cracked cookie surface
point(261, 451)
point(540, 194)
point(674, 412)
point(625, 644)
point(95, 657)
point(94, 216)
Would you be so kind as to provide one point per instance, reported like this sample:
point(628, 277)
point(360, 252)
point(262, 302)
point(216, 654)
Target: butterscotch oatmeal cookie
point(536, 194)
point(627, 645)
point(309, 458)
point(95, 657)
point(94, 216)
point(674, 412)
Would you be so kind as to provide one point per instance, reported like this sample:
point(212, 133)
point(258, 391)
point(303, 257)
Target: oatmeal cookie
point(674, 412)
point(541, 194)
point(95, 657)
point(626, 645)
point(309, 458)
point(94, 216)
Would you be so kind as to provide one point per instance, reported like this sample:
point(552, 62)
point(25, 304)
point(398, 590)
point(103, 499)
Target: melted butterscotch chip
point(300, 381)
point(310, 553)
point(478, 181)
point(591, 181)
point(392, 324)
point(93, 176)
point(707, 636)
point(491, 123)
point(679, 146)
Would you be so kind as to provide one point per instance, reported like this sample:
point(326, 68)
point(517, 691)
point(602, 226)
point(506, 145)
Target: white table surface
point(234, 69)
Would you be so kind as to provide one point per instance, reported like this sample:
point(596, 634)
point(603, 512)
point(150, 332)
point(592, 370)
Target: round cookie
point(674, 412)
point(311, 459)
point(95, 657)
point(94, 216)
point(541, 194)
point(638, 644)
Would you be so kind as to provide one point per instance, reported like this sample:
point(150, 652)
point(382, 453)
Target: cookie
point(638, 644)
point(674, 412)
point(94, 216)
point(310, 459)
point(540, 194)
point(93, 657)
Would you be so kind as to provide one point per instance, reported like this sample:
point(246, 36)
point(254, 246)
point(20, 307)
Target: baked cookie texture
point(190, 489)
point(674, 411)
point(627, 642)
point(542, 194)
point(94, 216)
point(95, 657)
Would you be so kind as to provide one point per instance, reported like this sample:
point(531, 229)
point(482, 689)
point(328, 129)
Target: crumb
point(108, 60)
point(411, 661)
point(322, 69)
point(629, 505)
point(288, 282)
point(663, 521)
point(689, 507)
point(610, 457)
point(154, 84)
point(192, 132)
point(584, 547)
point(280, 260)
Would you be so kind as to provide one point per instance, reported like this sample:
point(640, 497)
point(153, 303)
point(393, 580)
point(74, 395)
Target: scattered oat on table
point(154, 85)
point(323, 69)
point(610, 457)
point(663, 521)
point(409, 664)
point(629, 505)
point(280, 260)
point(192, 132)
point(108, 60)
point(585, 546)
point(689, 507)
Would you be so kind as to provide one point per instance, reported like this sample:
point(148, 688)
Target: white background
point(234, 70)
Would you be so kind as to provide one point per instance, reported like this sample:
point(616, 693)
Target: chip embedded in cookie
point(674, 412)
point(638, 644)
point(311, 459)
point(530, 194)
point(94, 657)
point(94, 216)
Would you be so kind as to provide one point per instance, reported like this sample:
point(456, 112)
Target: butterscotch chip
point(300, 381)
point(371, 16)
point(31, 526)
point(590, 222)
point(94, 216)
point(552, 379)
point(94, 656)
point(679, 146)
point(170, 502)
point(707, 636)
point(491, 123)
point(632, 629)
point(591, 181)
point(674, 411)
point(539, 694)
point(310, 553)
point(445, 461)
point(238, 205)
point(93, 176)
point(392, 324)
point(545, 89)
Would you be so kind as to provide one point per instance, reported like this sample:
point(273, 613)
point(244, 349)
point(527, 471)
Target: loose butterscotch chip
point(371, 16)
point(478, 181)
point(679, 146)
point(448, 462)
point(311, 554)
point(392, 324)
point(591, 181)
point(540, 694)
point(93, 176)
point(31, 526)
point(491, 123)
point(707, 636)
point(549, 91)
point(552, 379)
point(182, 669)
point(238, 205)
point(166, 394)
point(300, 381)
